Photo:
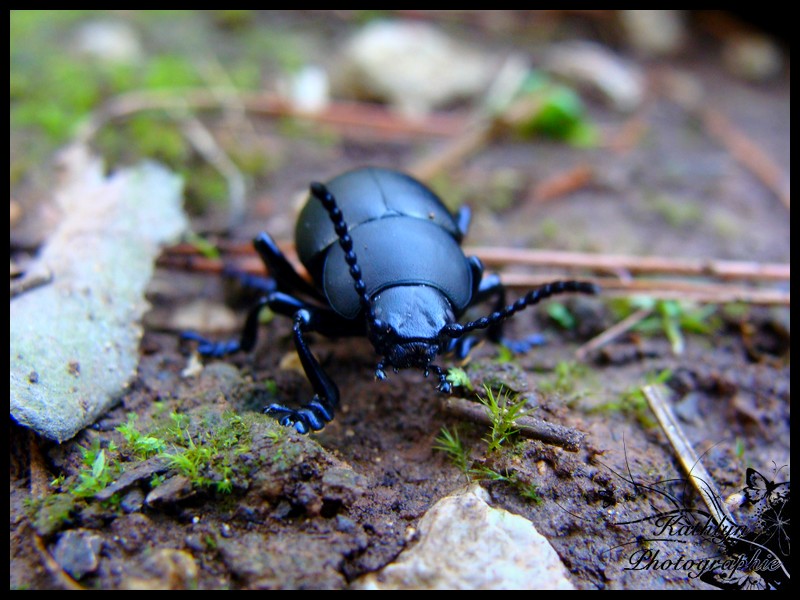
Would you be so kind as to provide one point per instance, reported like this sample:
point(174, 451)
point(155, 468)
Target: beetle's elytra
point(385, 257)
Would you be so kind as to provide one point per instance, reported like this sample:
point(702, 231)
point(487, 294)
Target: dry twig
point(688, 93)
point(622, 267)
point(550, 433)
point(694, 469)
point(612, 332)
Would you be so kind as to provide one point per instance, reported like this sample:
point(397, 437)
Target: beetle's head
point(406, 325)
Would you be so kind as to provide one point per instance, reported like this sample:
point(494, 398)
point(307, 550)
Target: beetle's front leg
point(318, 412)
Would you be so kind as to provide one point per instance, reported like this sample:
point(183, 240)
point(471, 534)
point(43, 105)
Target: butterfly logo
point(759, 488)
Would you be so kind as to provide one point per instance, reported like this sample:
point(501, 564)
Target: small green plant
point(566, 373)
point(271, 387)
point(525, 489)
point(530, 492)
point(633, 402)
point(50, 513)
point(670, 317)
point(459, 378)
point(503, 410)
point(188, 462)
point(559, 313)
point(97, 472)
point(740, 448)
point(504, 355)
point(451, 445)
point(203, 246)
point(225, 485)
point(559, 113)
point(276, 436)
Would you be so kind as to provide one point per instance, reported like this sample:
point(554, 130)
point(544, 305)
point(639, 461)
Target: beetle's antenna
point(455, 330)
point(321, 193)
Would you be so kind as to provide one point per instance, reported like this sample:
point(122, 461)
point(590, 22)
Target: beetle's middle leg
point(282, 277)
point(281, 270)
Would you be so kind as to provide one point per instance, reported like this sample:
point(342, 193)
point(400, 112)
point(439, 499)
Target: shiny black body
point(385, 258)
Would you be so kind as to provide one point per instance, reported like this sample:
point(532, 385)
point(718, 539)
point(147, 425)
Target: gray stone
point(463, 543)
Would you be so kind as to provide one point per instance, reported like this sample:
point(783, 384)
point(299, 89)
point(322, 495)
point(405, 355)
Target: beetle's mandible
point(386, 262)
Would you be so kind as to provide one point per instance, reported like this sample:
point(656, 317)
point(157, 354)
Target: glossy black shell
point(402, 235)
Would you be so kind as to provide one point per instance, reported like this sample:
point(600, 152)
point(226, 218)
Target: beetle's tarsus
point(312, 417)
point(206, 347)
point(246, 342)
point(525, 344)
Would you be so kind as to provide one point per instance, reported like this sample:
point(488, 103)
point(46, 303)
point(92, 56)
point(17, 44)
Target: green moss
point(98, 471)
point(676, 212)
point(143, 446)
point(52, 513)
point(206, 451)
point(633, 403)
point(566, 375)
point(458, 378)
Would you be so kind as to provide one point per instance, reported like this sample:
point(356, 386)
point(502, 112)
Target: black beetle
point(398, 275)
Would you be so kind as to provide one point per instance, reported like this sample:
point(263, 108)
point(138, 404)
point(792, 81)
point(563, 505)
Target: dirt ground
point(274, 509)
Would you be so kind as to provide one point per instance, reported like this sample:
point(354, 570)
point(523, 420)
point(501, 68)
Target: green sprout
point(530, 492)
point(459, 378)
point(503, 410)
point(526, 489)
point(670, 317)
point(203, 246)
point(560, 113)
point(561, 315)
point(451, 445)
point(566, 372)
point(96, 475)
point(504, 355)
point(144, 446)
point(633, 402)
